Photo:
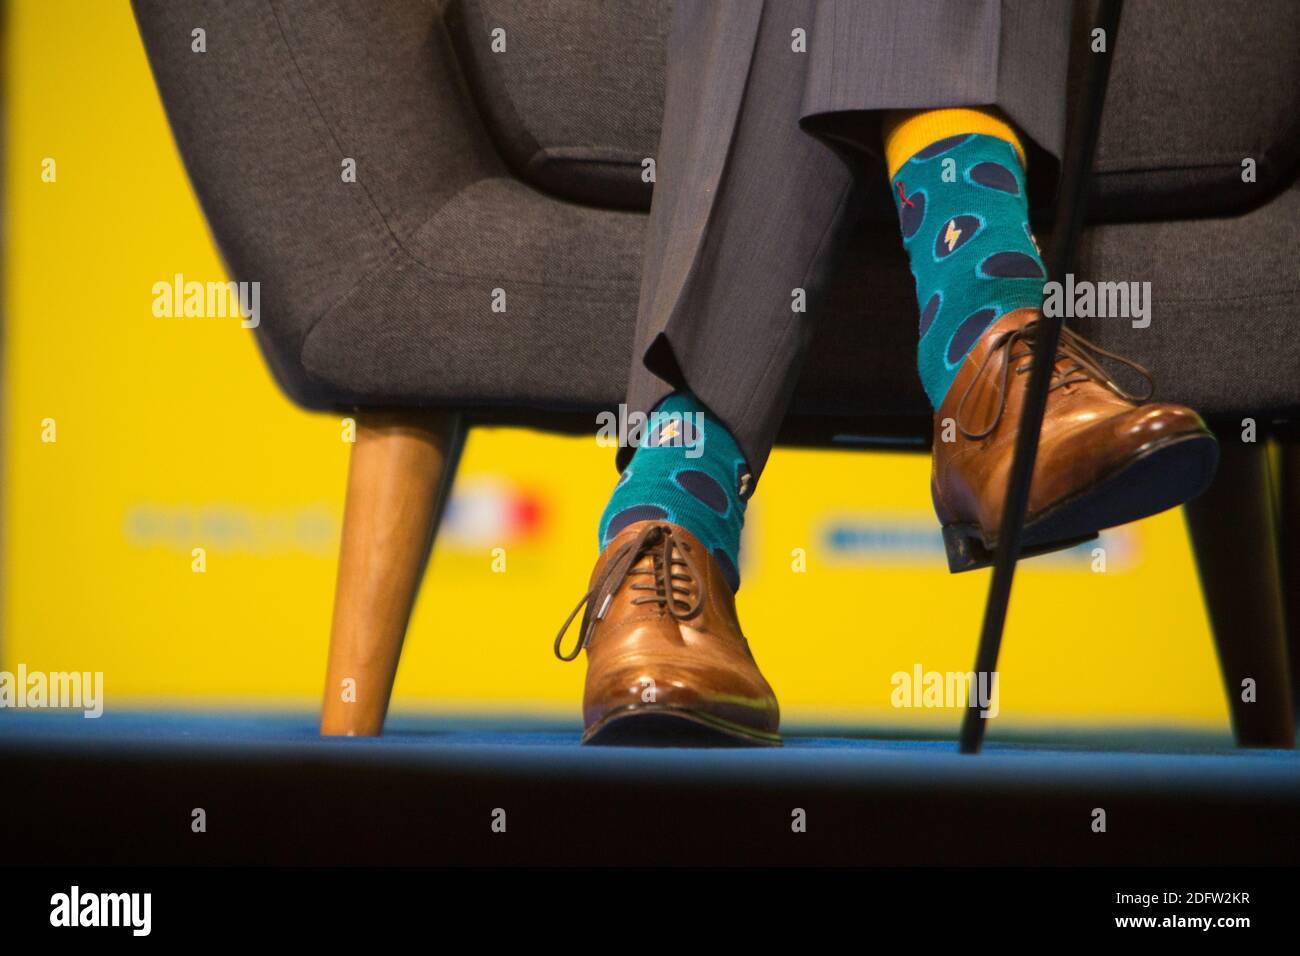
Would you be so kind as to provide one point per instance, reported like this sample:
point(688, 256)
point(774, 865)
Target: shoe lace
point(672, 569)
point(1077, 360)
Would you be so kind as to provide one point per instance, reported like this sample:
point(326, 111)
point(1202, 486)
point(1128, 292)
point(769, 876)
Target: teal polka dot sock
point(965, 223)
point(688, 471)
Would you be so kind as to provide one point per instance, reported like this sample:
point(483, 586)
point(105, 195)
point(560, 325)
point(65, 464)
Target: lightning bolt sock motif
point(965, 223)
point(688, 471)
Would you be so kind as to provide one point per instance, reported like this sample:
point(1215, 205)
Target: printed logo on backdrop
point(869, 538)
point(492, 510)
point(484, 509)
point(233, 528)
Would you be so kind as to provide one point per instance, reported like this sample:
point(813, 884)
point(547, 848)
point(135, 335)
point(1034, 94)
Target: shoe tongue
point(647, 558)
point(652, 552)
point(634, 530)
point(625, 538)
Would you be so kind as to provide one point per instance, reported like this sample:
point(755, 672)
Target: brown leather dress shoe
point(667, 664)
point(1104, 457)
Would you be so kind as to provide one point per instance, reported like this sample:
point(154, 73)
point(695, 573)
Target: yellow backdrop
point(169, 436)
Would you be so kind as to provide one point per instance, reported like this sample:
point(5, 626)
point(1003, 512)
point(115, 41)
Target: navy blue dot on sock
point(632, 515)
point(940, 146)
point(995, 176)
point(954, 234)
point(705, 488)
point(929, 312)
point(968, 332)
point(1011, 265)
point(911, 216)
point(728, 569)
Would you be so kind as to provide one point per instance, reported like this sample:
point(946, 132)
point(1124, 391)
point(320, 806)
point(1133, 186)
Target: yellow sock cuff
point(907, 132)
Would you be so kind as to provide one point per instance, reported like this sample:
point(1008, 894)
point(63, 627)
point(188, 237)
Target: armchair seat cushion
point(422, 328)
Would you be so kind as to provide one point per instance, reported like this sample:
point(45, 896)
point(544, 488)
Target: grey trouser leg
point(747, 209)
point(752, 203)
point(872, 55)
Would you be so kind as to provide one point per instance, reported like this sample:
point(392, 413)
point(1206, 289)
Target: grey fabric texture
point(288, 90)
point(379, 292)
point(1197, 86)
point(574, 99)
point(424, 328)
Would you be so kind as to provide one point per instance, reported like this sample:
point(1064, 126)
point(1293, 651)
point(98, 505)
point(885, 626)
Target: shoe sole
point(664, 726)
point(1161, 475)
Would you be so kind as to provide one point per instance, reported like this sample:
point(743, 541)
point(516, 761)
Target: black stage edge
point(426, 795)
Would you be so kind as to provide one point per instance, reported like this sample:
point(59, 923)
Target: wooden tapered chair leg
point(1289, 547)
point(400, 476)
point(1234, 540)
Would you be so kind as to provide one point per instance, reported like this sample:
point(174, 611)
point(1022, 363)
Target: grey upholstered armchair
point(476, 172)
